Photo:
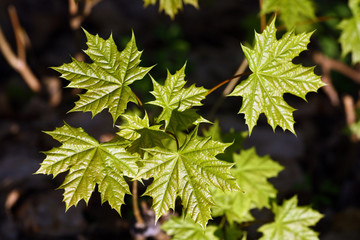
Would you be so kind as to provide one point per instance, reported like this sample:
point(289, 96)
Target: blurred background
point(322, 163)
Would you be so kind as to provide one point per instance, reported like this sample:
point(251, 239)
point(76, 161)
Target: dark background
point(322, 164)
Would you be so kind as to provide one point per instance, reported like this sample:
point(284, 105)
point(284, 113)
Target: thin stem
point(227, 80)
point(262, 17)
point(139, 220)
point(139, 102)
point(176, 140)
point(229, 87)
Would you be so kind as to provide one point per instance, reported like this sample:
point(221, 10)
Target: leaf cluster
point(209, 180)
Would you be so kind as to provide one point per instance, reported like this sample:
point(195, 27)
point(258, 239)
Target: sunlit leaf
point(273, 75)
point(176, 100)
point(187, 172)
point(185, 229)
point(89, 163)
point(107, 79)
point(291, 222)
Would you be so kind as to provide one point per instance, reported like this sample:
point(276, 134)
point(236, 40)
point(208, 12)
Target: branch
point(17, 62)
point(229, 87)
point(77, 16)
point(338, 66)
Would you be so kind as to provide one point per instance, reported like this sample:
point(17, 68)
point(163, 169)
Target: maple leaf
point(350, 35)
point(171, 7)
point(142, 135)
point(187, 173)
point(237, 138)
point(291, 12)
point(235, 206)
point(291, 222)
point(252, 172)
point(186, 228)
point(177, 100)
point(89, 163)
point(273, 74)
point(107, 79)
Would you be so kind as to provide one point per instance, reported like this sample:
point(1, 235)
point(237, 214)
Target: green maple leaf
point(107, 79)
point(89, 163)
point(183, 120)
point(291, 12)
point(187, 172)
point(274, 74)
point(291, 222)
point(171, 7)
point(350, 35)
point(237, 138)
point(235, 206)
point(186, 228)
point(252, 173)
point(177, 100)
point(142, 135)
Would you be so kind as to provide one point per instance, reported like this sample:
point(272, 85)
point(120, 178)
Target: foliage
point(186, 228)
point(274, 74)
point(187, 172)
point(350, 35)
point(107, 79)
point(252, 173)
point(291, 222)
point(212, 175)
point(89, 163)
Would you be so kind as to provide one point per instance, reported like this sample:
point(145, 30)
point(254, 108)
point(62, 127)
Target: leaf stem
point(262, 17)
point(139, 102)
point(176, 140)
point(139, 220)
point(228, 80)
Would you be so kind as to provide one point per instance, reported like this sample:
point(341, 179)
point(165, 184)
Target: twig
point(329, 89)
point(338, 66)
point(237, 76)
point(350, 114)
point(139, 220)
point(234, 81)
point(17, 63)
point(349, 109)
point(77, 16)
point(19, 34)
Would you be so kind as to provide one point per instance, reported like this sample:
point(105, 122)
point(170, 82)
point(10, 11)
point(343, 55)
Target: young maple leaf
point(107, 78)
point(171, 7)
point(185, 229)
point(291, 12)
point(291, 222)
point(274, 74)
point(89, 163)
point(176, 100)
point(141, 134)
point(350, 35)
point(252, 173)
point(235, 206)
point(187, 172)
